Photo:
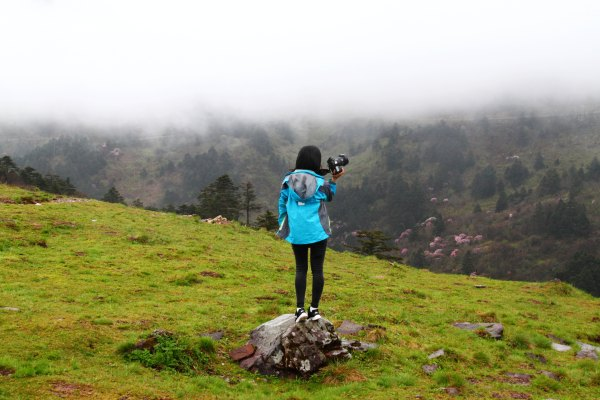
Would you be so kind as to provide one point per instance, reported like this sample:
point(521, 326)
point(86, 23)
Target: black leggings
point(317, 257)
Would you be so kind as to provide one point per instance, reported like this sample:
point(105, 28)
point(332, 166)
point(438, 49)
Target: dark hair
point(309, 157)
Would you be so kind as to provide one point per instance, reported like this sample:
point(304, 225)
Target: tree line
point(11, 174)
point(221, 197)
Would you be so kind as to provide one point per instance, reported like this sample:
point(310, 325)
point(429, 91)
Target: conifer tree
point(249, 200)
point(113, 196)
point(468, 263)
point(502, 203)
point(550, 183)
point(220, 198)
point(484, 183)
point(539, 162)
point(372, 243)
point(267, 220)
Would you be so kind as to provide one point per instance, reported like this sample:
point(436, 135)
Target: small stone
point(338, 354)
point(550, 375)
point(213, 335)
point(560, 347)
point(242, 352)
point(436, 354)
point(588, 347)
point(452, 391)
point(429, 369)
point(349, 328)
point(480, 286)
point(357, 345)
point(10, 309)
point(520, 379)
point(537, 357)
point(6, 371)
point(556, 339)
point(591, 354)
point(494, 330)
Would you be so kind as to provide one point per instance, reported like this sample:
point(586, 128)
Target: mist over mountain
point(156, 62)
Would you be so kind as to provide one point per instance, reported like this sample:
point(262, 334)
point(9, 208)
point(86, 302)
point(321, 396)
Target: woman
point(303, 221)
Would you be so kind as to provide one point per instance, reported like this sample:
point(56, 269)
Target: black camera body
point(335, 164)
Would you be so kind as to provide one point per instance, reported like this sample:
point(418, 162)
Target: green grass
point(109, 275)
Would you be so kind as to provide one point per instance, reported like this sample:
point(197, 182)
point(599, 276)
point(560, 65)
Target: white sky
point(129, 59)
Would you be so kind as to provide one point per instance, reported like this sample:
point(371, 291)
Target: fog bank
point(170, 60)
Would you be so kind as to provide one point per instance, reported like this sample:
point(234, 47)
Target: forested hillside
point(508, 193)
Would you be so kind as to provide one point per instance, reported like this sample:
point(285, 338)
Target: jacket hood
point(303, 183)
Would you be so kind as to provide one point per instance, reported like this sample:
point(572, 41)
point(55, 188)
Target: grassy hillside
point(89, 277)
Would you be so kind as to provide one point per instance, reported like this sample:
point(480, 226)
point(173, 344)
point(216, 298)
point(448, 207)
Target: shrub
point(206, 345)
point(169, 353)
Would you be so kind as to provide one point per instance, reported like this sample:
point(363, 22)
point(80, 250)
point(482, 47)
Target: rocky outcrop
point(283, 347)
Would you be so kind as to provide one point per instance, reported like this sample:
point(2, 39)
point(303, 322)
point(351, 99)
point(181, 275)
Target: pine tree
point(220, 198)
point(502, 203)
point(516, 174)
point(550, 183)
point(113, 196)
point(484, 183)
point(249, 200)
point(372, 243)
point(138, 203)
point(594, 169)
point(539, 162)
point(468, 263)
point(268, 220)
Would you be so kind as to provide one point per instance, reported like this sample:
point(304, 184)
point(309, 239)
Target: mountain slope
point(87, 277)
point(401, 174)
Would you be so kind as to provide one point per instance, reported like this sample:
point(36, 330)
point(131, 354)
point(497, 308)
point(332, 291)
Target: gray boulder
point(283, 347)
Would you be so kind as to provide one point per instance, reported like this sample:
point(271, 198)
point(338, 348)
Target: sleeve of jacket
point(328, 189)
point(283, 197)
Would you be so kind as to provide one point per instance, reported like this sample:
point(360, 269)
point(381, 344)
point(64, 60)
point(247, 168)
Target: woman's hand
point(335, 177)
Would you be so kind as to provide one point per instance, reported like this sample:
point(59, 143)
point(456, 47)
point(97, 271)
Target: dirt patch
point(265, 298)
point(6, 371)
point(511, 395)
point(64, 224)
point(343, 375)
point(282, 292)
point(516, 378)
point(212, 274)
point(65, 389)
point(6, 200)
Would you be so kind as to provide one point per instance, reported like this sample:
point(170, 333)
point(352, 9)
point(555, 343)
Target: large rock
point(283, 347)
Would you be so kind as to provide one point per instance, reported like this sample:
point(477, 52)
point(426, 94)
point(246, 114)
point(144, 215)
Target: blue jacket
point(303, 216)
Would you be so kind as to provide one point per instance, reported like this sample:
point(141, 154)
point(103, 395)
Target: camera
point(335, 164)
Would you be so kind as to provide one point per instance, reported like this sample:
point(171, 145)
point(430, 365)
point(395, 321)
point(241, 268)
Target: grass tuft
point(448, 378)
